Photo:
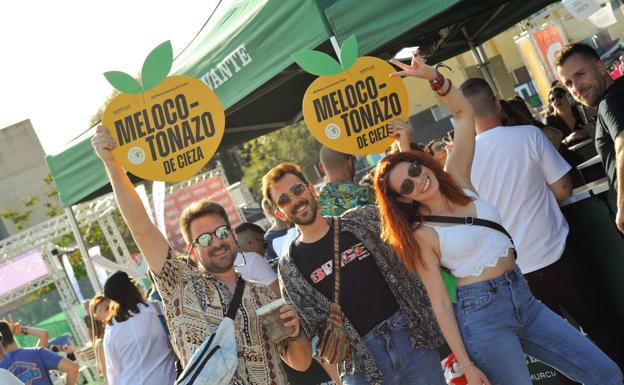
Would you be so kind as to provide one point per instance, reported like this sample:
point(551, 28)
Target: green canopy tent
point(244, 53)
point(245, 44)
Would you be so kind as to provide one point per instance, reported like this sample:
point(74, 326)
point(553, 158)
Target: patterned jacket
point(410, 294)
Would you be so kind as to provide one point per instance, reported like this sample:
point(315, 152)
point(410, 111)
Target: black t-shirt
point(609, 124)
point(365, 297)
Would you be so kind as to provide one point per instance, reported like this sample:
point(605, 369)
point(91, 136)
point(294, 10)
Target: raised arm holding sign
point(166, 127)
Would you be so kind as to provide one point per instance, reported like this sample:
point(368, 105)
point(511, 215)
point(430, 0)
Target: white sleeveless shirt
point(467, 250)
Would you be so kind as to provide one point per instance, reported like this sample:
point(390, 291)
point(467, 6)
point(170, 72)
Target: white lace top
point(467, 250)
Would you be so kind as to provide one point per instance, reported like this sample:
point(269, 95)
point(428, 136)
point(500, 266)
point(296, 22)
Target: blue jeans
point(500, 319)
point(399, 363)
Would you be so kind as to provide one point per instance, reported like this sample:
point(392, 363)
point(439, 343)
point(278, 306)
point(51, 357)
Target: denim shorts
point(399, 363)
point(500, 319)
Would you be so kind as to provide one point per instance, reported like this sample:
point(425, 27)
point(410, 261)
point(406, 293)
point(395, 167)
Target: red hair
point(400, 219)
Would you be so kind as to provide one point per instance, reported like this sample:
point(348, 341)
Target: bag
point(215, 361)
point(334, 345)
point(452, 371)
point(449, 279)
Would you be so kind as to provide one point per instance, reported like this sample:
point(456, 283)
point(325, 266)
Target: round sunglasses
point(414, 171)
point(205, 239)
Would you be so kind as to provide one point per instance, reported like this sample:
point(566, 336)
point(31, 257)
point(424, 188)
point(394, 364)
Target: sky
point(55, 52)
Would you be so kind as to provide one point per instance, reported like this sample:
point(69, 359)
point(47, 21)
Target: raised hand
point(103, 143)
point(418, 68)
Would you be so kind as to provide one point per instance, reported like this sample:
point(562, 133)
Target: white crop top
point(467, 250)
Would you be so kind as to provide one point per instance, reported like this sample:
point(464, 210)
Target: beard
point(219, 264)
point(309, 218)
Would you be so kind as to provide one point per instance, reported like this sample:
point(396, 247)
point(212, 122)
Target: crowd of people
point(369, 263)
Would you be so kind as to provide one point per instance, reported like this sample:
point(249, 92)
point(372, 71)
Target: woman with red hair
point(433, 219)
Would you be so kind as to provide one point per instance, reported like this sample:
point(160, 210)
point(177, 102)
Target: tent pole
point(481, 61)
point(83, 250)
point(334, 43)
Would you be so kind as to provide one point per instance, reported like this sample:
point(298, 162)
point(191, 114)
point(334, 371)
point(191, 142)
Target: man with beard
point(586, 77)
point(196, 294)
point(340, 193)
point(386, 312)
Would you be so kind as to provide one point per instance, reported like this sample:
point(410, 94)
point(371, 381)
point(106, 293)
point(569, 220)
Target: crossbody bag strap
point(336, 260)
point(236, 299)
point(470, 221)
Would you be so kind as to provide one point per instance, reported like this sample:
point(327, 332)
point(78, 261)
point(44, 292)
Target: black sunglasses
point(205, 239)
point(296, 190)
point(414, 171)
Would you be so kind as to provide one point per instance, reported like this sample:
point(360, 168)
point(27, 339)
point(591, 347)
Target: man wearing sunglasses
point(197, 294)
point(379, 297)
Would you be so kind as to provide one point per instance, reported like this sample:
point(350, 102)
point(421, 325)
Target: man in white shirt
point(517, 170)
point(254, 267)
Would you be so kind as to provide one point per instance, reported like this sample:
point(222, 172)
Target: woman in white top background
point(136, 346)
point(100, 317)
point(496, 317)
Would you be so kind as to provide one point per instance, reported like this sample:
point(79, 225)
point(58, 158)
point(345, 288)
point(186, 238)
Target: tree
point(52, 208)
point(289, 144)
point(20, 218)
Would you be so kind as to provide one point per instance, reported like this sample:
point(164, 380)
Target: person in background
point(565, 118)
point(86, 318)
point(250, 237)
point(340, 191)
point(585, 76)
point(136, 346)
point(252, 265)
point(437, 149)
point(32, 365)
point(99, 313)
point(521, 174)
point(6, 377)
point(278, 229)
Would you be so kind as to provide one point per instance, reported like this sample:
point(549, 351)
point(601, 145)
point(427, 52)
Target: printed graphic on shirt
point(27, 372)
point(357, 251)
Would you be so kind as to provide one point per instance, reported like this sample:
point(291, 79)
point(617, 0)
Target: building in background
point(519, 60)
point(22, 172)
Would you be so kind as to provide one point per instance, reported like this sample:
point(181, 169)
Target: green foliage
point(289, 144)
point(20, 218)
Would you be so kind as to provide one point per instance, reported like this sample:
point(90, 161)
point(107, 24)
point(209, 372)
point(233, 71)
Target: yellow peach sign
point(169, 132)
point(350, 111)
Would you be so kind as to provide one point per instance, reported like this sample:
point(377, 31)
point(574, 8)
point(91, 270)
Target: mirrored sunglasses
point(205, 239)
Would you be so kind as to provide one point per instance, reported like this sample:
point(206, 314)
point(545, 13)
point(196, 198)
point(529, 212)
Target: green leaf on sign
point(348, 52)
point(123, 82)
point(157, 65)
point(317, 63)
